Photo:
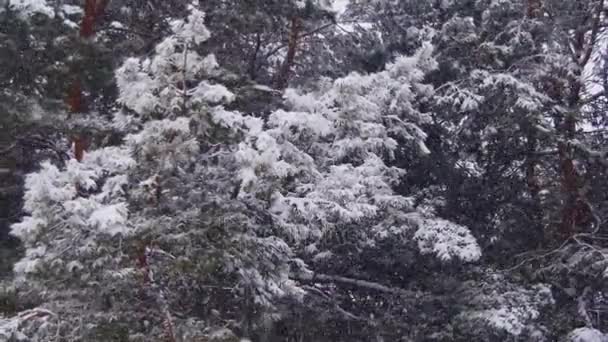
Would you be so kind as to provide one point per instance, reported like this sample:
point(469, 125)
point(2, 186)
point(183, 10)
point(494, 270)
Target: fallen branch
point(34, 313)
point(324, 278)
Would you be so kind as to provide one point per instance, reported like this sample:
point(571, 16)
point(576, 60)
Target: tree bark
point(286, 68)
point(576, 211)
point(531, 162)
point(93, 11)
point(534, 8)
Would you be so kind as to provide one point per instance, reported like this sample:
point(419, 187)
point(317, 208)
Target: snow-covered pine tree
point(156, 213)
point(345, 135)
point(510, 127)
point(205, 223)
point(324, 166)
point(118, 243)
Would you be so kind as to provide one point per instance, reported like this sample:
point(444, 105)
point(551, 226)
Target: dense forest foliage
point(303, 170)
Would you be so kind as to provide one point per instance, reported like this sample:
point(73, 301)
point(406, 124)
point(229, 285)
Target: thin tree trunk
point(254, 57)
point(532, 11)
point(576, 211)
point(286, 68)
point(569, 181)
point(534, 186)
point(534, 8)
point(531, 162)
point(93, 11)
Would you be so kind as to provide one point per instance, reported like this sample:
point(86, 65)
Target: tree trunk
point(93, 11)
point(531, 162)
point(573, 211)
point(534, 8)
point(532, 11)
point(576, 211)
point(294, 35)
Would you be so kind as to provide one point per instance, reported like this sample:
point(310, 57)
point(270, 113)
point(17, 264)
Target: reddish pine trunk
point(75, 103)
point(294, 35)
point(534, 8)
point(93, 11)
point(87, 27)
point(575, 212)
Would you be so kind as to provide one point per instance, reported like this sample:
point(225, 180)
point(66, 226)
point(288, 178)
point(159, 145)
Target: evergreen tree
point(303, 170)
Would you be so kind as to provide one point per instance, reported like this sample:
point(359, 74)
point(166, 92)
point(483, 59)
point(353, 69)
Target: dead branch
point(324, 278)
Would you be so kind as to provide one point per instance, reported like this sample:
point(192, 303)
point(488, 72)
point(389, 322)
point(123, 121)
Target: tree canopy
point(303, 170)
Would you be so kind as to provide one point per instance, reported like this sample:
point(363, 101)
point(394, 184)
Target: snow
point(212, 93)
point(9, 329)
point(71, 9)
point(264, 88)
point(352, 118)
point(155, 85)
point(111, 219)
point(117, 25)
point(222, 335)
point(193, 29)
point(28, 228)
point(30, 7)
point(312, 122)
point(587, 335)
point(323, 256)
point(250, 125)
point(340, 6)
point(447, 240)
point(323, 163)
point(510, 320)
point(136, 87)
point(506, 306)
point(31, 261)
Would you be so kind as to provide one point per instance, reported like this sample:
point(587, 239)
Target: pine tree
point(279, 170)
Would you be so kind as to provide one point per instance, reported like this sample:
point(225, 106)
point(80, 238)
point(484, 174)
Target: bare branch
point(324, 278)
point(538, 257)
point(304, 35)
